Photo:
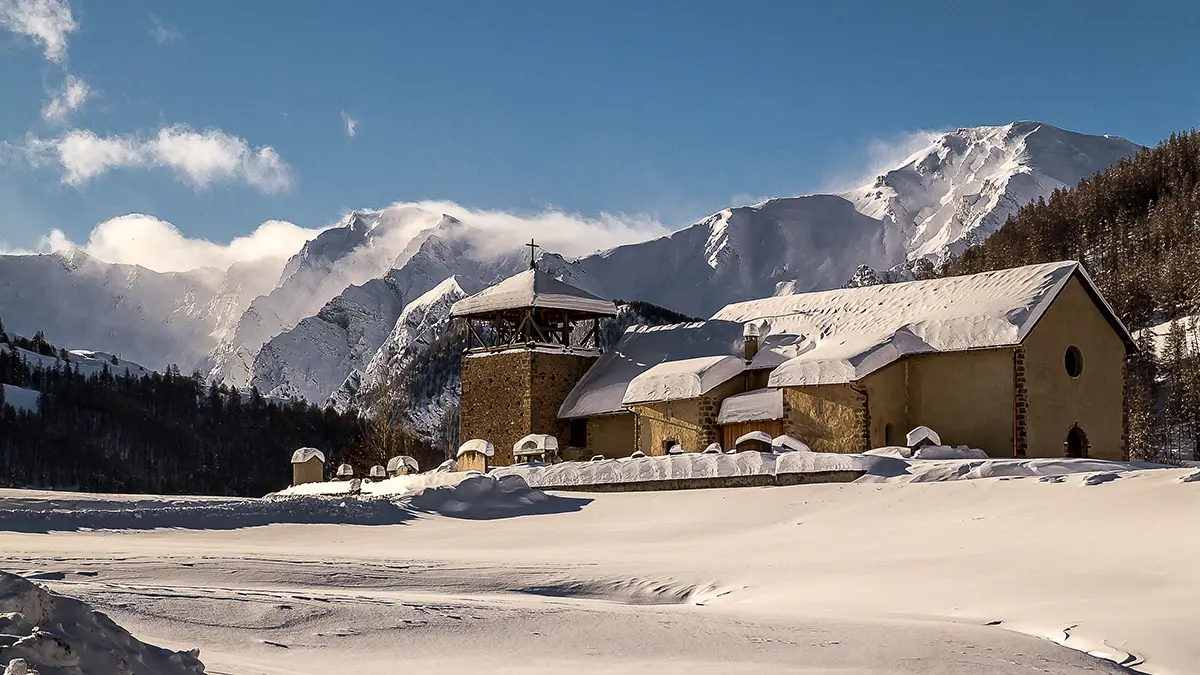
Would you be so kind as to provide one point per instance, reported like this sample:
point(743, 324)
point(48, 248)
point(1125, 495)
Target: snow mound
point(302, 455)
point(485, 497)
point(947, 452)
point(55, 635)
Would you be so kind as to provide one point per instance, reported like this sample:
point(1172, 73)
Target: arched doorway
point(1076, 444)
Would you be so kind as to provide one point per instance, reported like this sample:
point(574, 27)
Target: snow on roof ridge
point(532, 288)
point(857, 331)
point(682, 379)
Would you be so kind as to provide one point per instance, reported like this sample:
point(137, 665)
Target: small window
point(578, 433)
point(1073, 361)
point(667, 445)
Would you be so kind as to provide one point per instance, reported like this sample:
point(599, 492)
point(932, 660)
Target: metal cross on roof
point(532, 252)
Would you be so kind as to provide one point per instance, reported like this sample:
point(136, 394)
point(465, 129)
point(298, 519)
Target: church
point(1023, 362)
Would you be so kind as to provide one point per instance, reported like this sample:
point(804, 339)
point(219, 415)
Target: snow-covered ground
point(21, 399)
point(993, 575)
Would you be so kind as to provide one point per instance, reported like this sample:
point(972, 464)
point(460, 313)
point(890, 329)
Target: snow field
point(957, 576)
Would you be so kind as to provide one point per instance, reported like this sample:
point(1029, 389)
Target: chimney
point(750, 341)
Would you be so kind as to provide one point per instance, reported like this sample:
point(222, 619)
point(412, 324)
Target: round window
point(1073, 361)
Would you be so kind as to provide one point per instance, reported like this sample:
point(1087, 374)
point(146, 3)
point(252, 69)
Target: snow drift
point(56, 635)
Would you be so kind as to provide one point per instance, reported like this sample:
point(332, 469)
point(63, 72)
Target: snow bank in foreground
point(462, 495)
point(57, 635)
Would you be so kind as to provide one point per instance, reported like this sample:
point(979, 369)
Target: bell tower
point(530, 339)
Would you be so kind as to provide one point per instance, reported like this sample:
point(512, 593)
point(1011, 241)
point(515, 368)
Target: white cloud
point(71, 97)
point(198, 158)
point(567, 233)
point(351, 124)
point(46, 22)
point(161, 34)
point(138, 239)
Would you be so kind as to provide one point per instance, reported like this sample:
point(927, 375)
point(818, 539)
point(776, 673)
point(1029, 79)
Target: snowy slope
point(314, 359)
point(21, 399)
point(364, 246)
point(420, 323)
point(156, 318)
point(963, 186)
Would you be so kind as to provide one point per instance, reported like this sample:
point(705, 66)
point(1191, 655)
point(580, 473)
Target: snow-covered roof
point(395, 463)
point(377, 471)
point(601, 390)
point(345, 470)
point(476, 445)
point(677, 380)
point(535, 444)
point(855, 331)
point(788, 444)
point(752, 406)
point(304, 454)
point(922, 433)
point(532, 288)
point(760, 436)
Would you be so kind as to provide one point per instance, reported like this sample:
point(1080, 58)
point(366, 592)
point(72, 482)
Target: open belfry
point(531, 338)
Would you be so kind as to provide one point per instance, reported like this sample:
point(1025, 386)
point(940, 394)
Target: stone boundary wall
point(753, 480)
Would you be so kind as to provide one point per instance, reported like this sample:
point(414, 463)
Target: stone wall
point(754, 480)
point(692, 423)
point(611, 435)
point(509, 395)
point(551, 379)
point(827, 417)
point(495, 400)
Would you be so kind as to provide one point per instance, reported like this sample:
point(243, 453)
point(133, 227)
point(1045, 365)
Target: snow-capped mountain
point(157, 318)
point(364, 246)
point(421, 322)
point(963, 186)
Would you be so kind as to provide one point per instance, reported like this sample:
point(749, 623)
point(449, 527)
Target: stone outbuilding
point(475, 455)
point(308, 466)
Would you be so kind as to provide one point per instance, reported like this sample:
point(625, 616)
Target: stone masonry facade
point(1020, 404)
point(509, 395)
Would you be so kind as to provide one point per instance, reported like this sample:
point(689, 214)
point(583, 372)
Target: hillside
point(87, 420)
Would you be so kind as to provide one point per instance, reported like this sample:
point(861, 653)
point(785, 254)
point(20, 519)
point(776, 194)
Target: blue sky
point(670, 110)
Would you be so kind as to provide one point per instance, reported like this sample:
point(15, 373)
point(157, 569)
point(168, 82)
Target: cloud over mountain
point(158, 245)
